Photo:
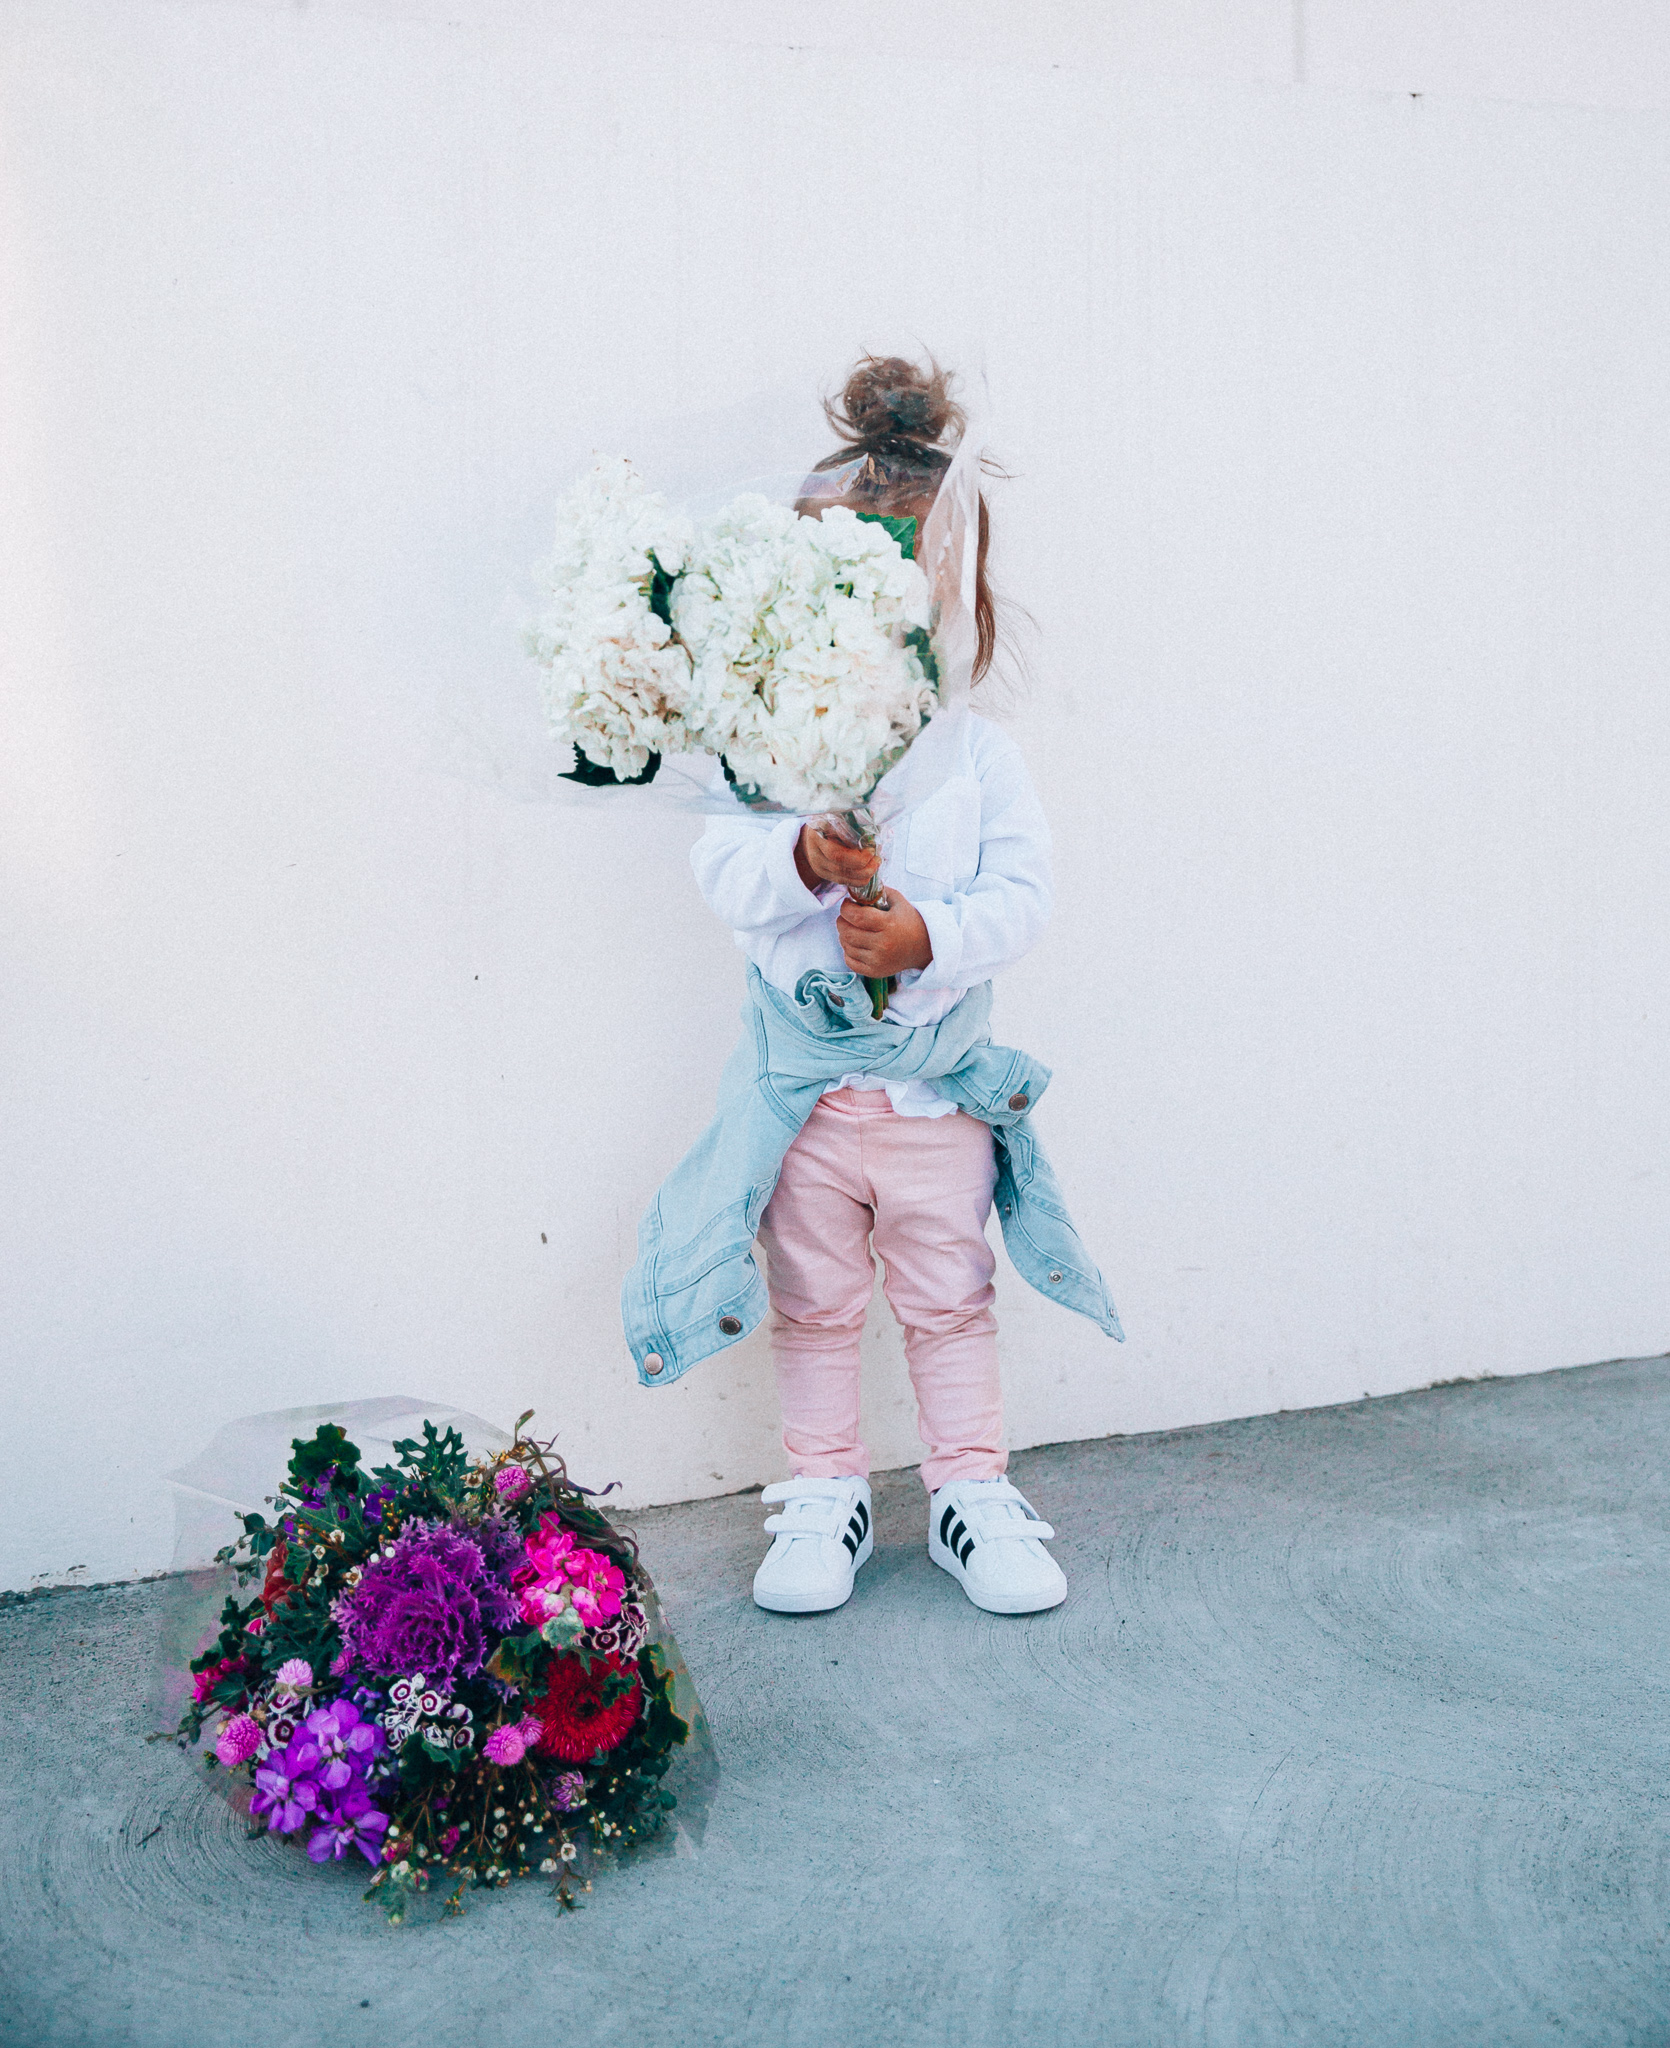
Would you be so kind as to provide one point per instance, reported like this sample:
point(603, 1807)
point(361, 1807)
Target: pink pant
point(923, 1187)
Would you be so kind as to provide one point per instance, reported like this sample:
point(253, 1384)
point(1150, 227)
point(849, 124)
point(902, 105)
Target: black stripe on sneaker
point(854, 1536)
point(957, 1535)
point(862, 1519)
point(945, 1523)
point(966, 1550)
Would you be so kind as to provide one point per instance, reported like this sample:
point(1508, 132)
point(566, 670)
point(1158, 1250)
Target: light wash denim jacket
point(695, 1287)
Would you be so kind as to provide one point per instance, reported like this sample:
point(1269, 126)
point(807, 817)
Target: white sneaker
point(824, 1535)
point(987, 1535)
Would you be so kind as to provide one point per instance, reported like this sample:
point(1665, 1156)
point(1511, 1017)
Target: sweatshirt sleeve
point(745, 870)
point(1002, 913)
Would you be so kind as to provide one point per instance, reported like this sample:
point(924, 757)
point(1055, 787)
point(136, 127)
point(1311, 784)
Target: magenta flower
point(559, 1574)
point(504, 1747)
point(295, 1674)
point(349, 1822)
point(511, 1483)
point(204, 1682)
point(239, 1740)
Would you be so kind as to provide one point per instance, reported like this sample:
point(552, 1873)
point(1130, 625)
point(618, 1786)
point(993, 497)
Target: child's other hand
point(877, 942)
point(819, 858)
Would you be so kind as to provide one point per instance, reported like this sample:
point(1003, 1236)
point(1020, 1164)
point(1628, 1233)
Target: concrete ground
point(1352, 1731)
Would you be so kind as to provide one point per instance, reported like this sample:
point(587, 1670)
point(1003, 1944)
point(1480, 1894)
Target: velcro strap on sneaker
point(805, 1525)
point(998, 1531)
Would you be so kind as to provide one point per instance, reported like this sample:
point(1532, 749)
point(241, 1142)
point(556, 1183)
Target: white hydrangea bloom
point(795, 626)
point(614, 680)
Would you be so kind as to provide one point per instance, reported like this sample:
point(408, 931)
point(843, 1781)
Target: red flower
point(275, 1587)
point(575, 1721)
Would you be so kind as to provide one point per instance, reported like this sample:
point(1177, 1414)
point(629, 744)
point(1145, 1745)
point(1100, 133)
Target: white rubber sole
point(1018, 1603)
point(818, 1603)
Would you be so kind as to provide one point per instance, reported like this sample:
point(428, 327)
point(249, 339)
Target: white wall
point(340, 1059)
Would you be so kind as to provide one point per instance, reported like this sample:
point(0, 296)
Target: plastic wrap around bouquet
point(804, 634)
point(450, 1665)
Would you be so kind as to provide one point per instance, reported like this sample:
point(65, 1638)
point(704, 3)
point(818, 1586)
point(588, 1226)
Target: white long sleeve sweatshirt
point(965, 841)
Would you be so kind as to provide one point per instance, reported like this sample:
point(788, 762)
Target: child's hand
point(877, 942)
point(819, 858)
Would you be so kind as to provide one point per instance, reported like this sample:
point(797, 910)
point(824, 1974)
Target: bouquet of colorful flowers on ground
point(797, 649)
point(447, 1667)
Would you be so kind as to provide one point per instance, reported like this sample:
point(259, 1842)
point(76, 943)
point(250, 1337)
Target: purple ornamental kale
point(503, 1556)
point(423, 1605)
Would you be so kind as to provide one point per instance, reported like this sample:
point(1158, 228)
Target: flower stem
point(862, 827)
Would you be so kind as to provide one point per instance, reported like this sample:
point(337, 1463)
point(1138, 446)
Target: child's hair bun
point(889, 406)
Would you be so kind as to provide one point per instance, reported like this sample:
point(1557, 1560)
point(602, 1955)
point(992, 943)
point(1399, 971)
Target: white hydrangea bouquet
point(797, 649)
point(614, 679)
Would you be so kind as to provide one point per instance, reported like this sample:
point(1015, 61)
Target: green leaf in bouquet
point(514, 1661)
point(921, 643)
point(563, 1630)
point(310, 1461)
point(902, 530)
point(661, 591)
point(590, 775)
point(747, 792)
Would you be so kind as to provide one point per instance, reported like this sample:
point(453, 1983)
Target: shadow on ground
point(1352, 1731)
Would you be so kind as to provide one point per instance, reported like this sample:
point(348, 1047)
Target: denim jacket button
point(1055, 1277)
point(652, 1363)
point(730, 1326)
point(1019, 1102)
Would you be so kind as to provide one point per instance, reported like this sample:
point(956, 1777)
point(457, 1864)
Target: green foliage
point(592, 776)
point(661, 591)
point(921, 643)
point(902, 530)
point(747, 792)
point(310, 1461)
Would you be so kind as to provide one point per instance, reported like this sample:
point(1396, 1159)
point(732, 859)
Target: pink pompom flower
point(511, 1483)
point(295, 1674)
point(238, 1741)
point(560, 1574)
point(505, 1747)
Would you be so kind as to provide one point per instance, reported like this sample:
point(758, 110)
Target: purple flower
point(568, 1789)
point(285, 1793)
point(348, 1822)
point(424, 1605)
point(511, 1483)
point(346, 1745)
point(295, 1674)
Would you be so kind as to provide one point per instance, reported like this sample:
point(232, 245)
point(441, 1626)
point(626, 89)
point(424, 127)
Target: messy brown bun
point(890, 408)
point(893, 418)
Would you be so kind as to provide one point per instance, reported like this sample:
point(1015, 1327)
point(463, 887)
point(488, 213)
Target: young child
point(900, 1140)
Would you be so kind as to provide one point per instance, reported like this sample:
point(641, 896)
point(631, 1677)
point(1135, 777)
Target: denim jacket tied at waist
point(695, 1287)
